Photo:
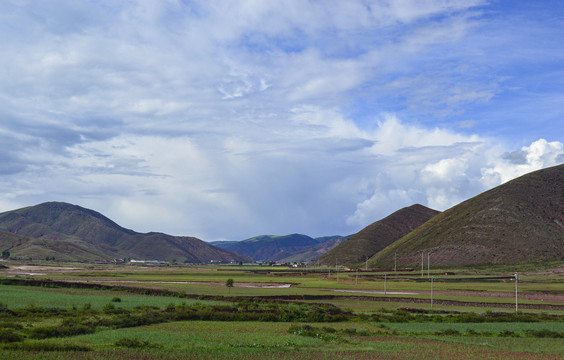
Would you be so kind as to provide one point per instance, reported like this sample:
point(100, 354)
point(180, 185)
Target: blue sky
point(228, 119)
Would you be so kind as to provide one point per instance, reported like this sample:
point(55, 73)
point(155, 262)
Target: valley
point(140, 312)
point(483, 277)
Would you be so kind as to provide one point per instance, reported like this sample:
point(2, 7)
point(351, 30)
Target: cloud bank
point(224, 120)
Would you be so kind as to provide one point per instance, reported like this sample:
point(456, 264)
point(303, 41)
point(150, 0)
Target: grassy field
point(192, 314)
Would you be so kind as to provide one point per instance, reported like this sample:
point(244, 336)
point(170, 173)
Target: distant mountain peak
point(376, 236)
point(281, 248)
point(516, 222)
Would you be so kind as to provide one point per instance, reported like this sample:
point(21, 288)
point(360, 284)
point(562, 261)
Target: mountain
point(521, 221)
point(375, 237)
point(71, 232)
point(63, 250)
point(311, 253)
point(286, 248)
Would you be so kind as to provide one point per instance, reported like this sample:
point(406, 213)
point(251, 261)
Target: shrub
point(11, 325)
point(110, 308)
point(136, 344)
point(448, 332)
point(115, 299)
point(507, 333)
point(471, 332)
point(302, 330)
point(64, 330)
point(349, 331)
point(127, 320)
point(544, 333)
point(46, 346)
point(9, 336)
point(469, 318)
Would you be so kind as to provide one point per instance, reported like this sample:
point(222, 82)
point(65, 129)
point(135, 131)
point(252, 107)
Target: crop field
point(78, 311)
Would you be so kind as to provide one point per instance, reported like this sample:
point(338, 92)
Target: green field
point(187, 312)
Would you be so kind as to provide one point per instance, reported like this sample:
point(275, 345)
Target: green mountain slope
point(293, 247)
point(375, 237)
point(312, 253)
point(518, 222)
point(72, 232)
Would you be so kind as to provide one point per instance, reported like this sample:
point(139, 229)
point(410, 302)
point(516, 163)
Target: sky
point(229, 119)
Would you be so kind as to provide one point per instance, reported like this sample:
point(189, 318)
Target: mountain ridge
point(376, 236)
point(516, 222)
point(281, 248)
point(59, 224)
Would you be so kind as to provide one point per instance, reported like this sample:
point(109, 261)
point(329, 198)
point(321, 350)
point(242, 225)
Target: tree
point(5, 254)
point(229, 284)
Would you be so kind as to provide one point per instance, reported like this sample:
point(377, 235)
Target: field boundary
point(293, 298)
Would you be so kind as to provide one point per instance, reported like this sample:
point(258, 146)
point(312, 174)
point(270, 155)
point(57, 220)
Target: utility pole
point(428, 265)
point(357, 276)
point(396, 261)
point(421, 264)
point(337, 269)
point(516, 299)
point(366, 265)
point(431, 292)
point(385, 283)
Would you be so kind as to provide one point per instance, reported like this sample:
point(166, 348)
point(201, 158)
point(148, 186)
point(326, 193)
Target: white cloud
point(409, 170)
point(392, 136)
point(227, 119)
point(538, 155)
point(444, 170)
point(411, 164)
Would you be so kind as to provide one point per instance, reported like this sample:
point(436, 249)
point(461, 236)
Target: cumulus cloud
point(434, 167)
point(229, 119)
point(447, 175)
point(538, 155)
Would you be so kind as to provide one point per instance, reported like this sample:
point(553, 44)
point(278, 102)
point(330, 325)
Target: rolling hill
point(286, 248)
point(375, 237)
point(521, 221)
point(71, 232)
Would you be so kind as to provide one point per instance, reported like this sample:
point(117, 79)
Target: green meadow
point(137, 312)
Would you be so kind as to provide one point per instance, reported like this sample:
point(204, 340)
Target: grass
point(478, 327)
point(23, 296)
point(218, 340)
point(358, 337)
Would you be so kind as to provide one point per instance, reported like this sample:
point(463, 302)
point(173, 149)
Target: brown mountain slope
point(517, 222)
point(375, 237)
point(62, 250)
point(72, 232)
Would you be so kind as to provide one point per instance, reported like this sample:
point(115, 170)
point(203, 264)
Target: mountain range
point(285, 248)
point(70, 232)
point(521, 221)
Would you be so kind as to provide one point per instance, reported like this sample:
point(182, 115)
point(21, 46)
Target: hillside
point(70, 232)
point(375, 237)
point(286, 248)
point(518, 222)
point(64, 250)
point(311, 253)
